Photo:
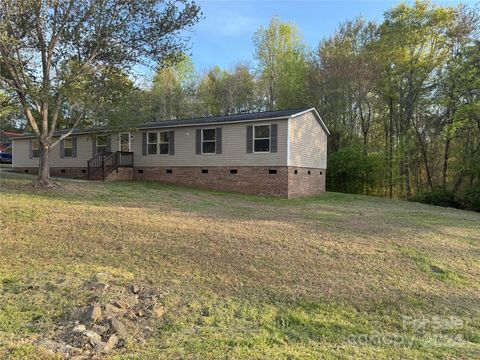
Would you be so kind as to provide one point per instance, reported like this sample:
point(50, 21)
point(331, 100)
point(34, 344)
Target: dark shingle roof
point(256, 116)
point(222, 119)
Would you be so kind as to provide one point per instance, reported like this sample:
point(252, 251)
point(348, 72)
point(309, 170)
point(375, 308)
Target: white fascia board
point(319, 118)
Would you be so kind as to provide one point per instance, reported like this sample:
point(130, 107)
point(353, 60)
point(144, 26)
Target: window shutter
point(74, 147)
point(62, 149)
point(109, 143)
point(30, 149)
point(171, 148)
point(144, 143)
point(249, 139)
point(94, 147)
point(198, 141)
point(273, 137)
point(218, 140)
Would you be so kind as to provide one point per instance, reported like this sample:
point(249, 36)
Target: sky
point(224, 36)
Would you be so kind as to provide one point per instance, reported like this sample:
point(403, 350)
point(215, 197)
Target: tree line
point(400, 97)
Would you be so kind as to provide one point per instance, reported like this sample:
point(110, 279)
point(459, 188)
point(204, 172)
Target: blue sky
point(224, 36)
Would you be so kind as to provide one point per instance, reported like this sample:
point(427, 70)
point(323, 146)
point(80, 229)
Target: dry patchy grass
point(244, 276)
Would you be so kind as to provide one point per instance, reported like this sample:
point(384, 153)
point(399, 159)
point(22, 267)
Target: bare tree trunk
point(423, 150)
point(425, 162)
point(446, 155)
point(446, 151)
point(43, 178)
point(385, 125)
point(271, 96)
point(408, 179)
point(390, 150)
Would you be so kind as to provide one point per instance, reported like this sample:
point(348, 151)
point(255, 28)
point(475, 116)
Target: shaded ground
point(337, 276)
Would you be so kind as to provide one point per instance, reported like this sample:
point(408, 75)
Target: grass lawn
point(335, 276)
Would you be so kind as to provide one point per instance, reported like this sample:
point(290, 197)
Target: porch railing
point(102, 165)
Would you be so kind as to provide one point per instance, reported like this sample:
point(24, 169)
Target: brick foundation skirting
point(245, 179)
point(305, 181)
point(279, 181)
point(121, 174)
point(68, 172)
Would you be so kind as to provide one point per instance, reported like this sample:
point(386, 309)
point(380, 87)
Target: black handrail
point(94, 165)
point(125, 159)
point(108, 163)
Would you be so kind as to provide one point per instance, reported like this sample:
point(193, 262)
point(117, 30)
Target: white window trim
point(150, 143)
point(120, 141)
point(214, 141)
point(269, 139)
point(96, 143)
point(35, 141)
point(66, 147)
point(160, 142)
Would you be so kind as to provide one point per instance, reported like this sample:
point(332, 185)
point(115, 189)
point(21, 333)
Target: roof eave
point(166, 126)
point(212, 123)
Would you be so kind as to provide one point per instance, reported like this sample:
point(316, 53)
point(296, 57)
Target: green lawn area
point(335, 276)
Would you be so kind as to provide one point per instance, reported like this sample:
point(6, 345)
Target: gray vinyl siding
point(84, 153)
point(234, 148)
point(308, 142)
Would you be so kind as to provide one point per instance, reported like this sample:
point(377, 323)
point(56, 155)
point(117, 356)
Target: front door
point(124, 142)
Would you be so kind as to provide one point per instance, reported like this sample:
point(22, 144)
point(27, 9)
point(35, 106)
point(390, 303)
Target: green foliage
point(173, 94)
point(9, 112)
point(347, 69)
point(439, 196)
point(282, 64)
point(303, 288)
point(64, 60)
point(407, 87)
point(351, 170)
point(433, 268)
point(223, 92)
point(472, 199)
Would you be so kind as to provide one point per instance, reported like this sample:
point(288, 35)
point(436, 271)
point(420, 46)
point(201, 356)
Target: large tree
point(414, 43)
point(9, 112)
point(282, 64)
point(223, 92)
point(49, 47)
point(170, 95)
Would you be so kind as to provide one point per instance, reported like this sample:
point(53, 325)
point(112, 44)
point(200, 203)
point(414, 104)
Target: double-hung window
point(35, 149)
point(209, 141)
point(101, 144)
point(158, 143)
point(164, 142)
point(68, 147)
point(152, 143)
point(261, 138)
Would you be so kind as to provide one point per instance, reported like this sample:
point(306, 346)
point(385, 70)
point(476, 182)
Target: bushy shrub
point(441, 197)
point(350, 170)
point(471, 199)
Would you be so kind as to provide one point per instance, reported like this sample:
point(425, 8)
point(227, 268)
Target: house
point(278, 153)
